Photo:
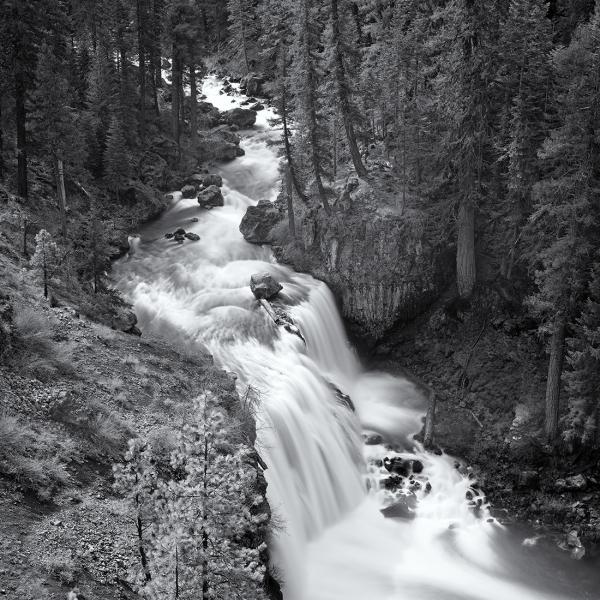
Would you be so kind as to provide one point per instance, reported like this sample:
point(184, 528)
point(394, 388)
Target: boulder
point(210, 197)
point(243, 118)
point(213, 147)
point(397, 465)
point(194, 237)
point(402, 508)
point(259, 220)
point(391, 483)
point(417, 466)
point(263, 286)
point(251, 84)
point(212, 179)
point(572, 543)
point(188, 191)
point(575, 483)
point(257, 107)
point(372, 439)
point(126, 320)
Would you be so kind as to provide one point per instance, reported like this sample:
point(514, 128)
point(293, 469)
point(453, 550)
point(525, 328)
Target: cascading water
point(334, 542)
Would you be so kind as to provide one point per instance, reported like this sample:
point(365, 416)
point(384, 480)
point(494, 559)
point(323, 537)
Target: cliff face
point(379, 261)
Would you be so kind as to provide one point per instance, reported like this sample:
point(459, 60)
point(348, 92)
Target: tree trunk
point(428, 437)
point(311, 110)
point(45, 271)
point(193, 106)
point(62, 196)
point(465, 248)
point(141, 24)
point(205, 574)
point(176, 572)
point(554, 376)
point(343, 92)
point(286, 131)
point(21, 118)
point(175, 100)
point(141, 549)
point(1, 143)
point(290, 201)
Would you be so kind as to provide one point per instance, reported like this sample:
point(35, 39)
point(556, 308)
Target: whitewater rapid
point(333, 542)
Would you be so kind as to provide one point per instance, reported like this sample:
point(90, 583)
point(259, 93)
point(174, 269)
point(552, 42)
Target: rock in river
point(210, 197)
point(259, 220)
point(244, 118)
point(264, 286)
point(188, 191)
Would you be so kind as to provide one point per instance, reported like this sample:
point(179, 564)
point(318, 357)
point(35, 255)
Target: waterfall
point(331, 540)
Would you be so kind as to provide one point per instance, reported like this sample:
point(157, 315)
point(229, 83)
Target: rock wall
point(380, 262)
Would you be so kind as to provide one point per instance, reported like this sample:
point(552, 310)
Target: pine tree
point(92, 249)
point(582, 379)
point(202, 508)
point(116, 157)
point(102, 97)
point(243, 31)
point(306, 78)
point(565, 226)
point(54, 122)
point(470, 33)
point(344, 67)
point(276, 20)
point(526, 78)
point(46, 258)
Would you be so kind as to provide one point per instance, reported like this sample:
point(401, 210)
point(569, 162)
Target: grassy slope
point(72, 392)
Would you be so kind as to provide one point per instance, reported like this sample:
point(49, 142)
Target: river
point(324, 483)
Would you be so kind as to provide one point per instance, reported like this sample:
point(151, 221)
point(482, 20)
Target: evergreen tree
point(526, 77)
point(46, 258)
point(116, 157)
point(243, 31)
point(582, 379)
point(345, 66)
point(202, 508)
point(467, 71)
point(54, 122)
point(564, 229)
point(306, 77)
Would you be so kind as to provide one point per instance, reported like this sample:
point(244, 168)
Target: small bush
point(43, 358)
point(61, 566)
point(34, 458)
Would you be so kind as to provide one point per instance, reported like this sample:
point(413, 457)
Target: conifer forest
point(300, 299)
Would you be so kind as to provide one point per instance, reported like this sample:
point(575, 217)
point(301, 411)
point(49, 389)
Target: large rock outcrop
point(258, 222)
point(379, 261)
point(244, 118)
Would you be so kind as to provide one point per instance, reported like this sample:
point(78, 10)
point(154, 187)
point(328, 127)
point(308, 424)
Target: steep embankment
point(74, 388)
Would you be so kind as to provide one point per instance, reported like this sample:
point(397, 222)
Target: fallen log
point(281, 318)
